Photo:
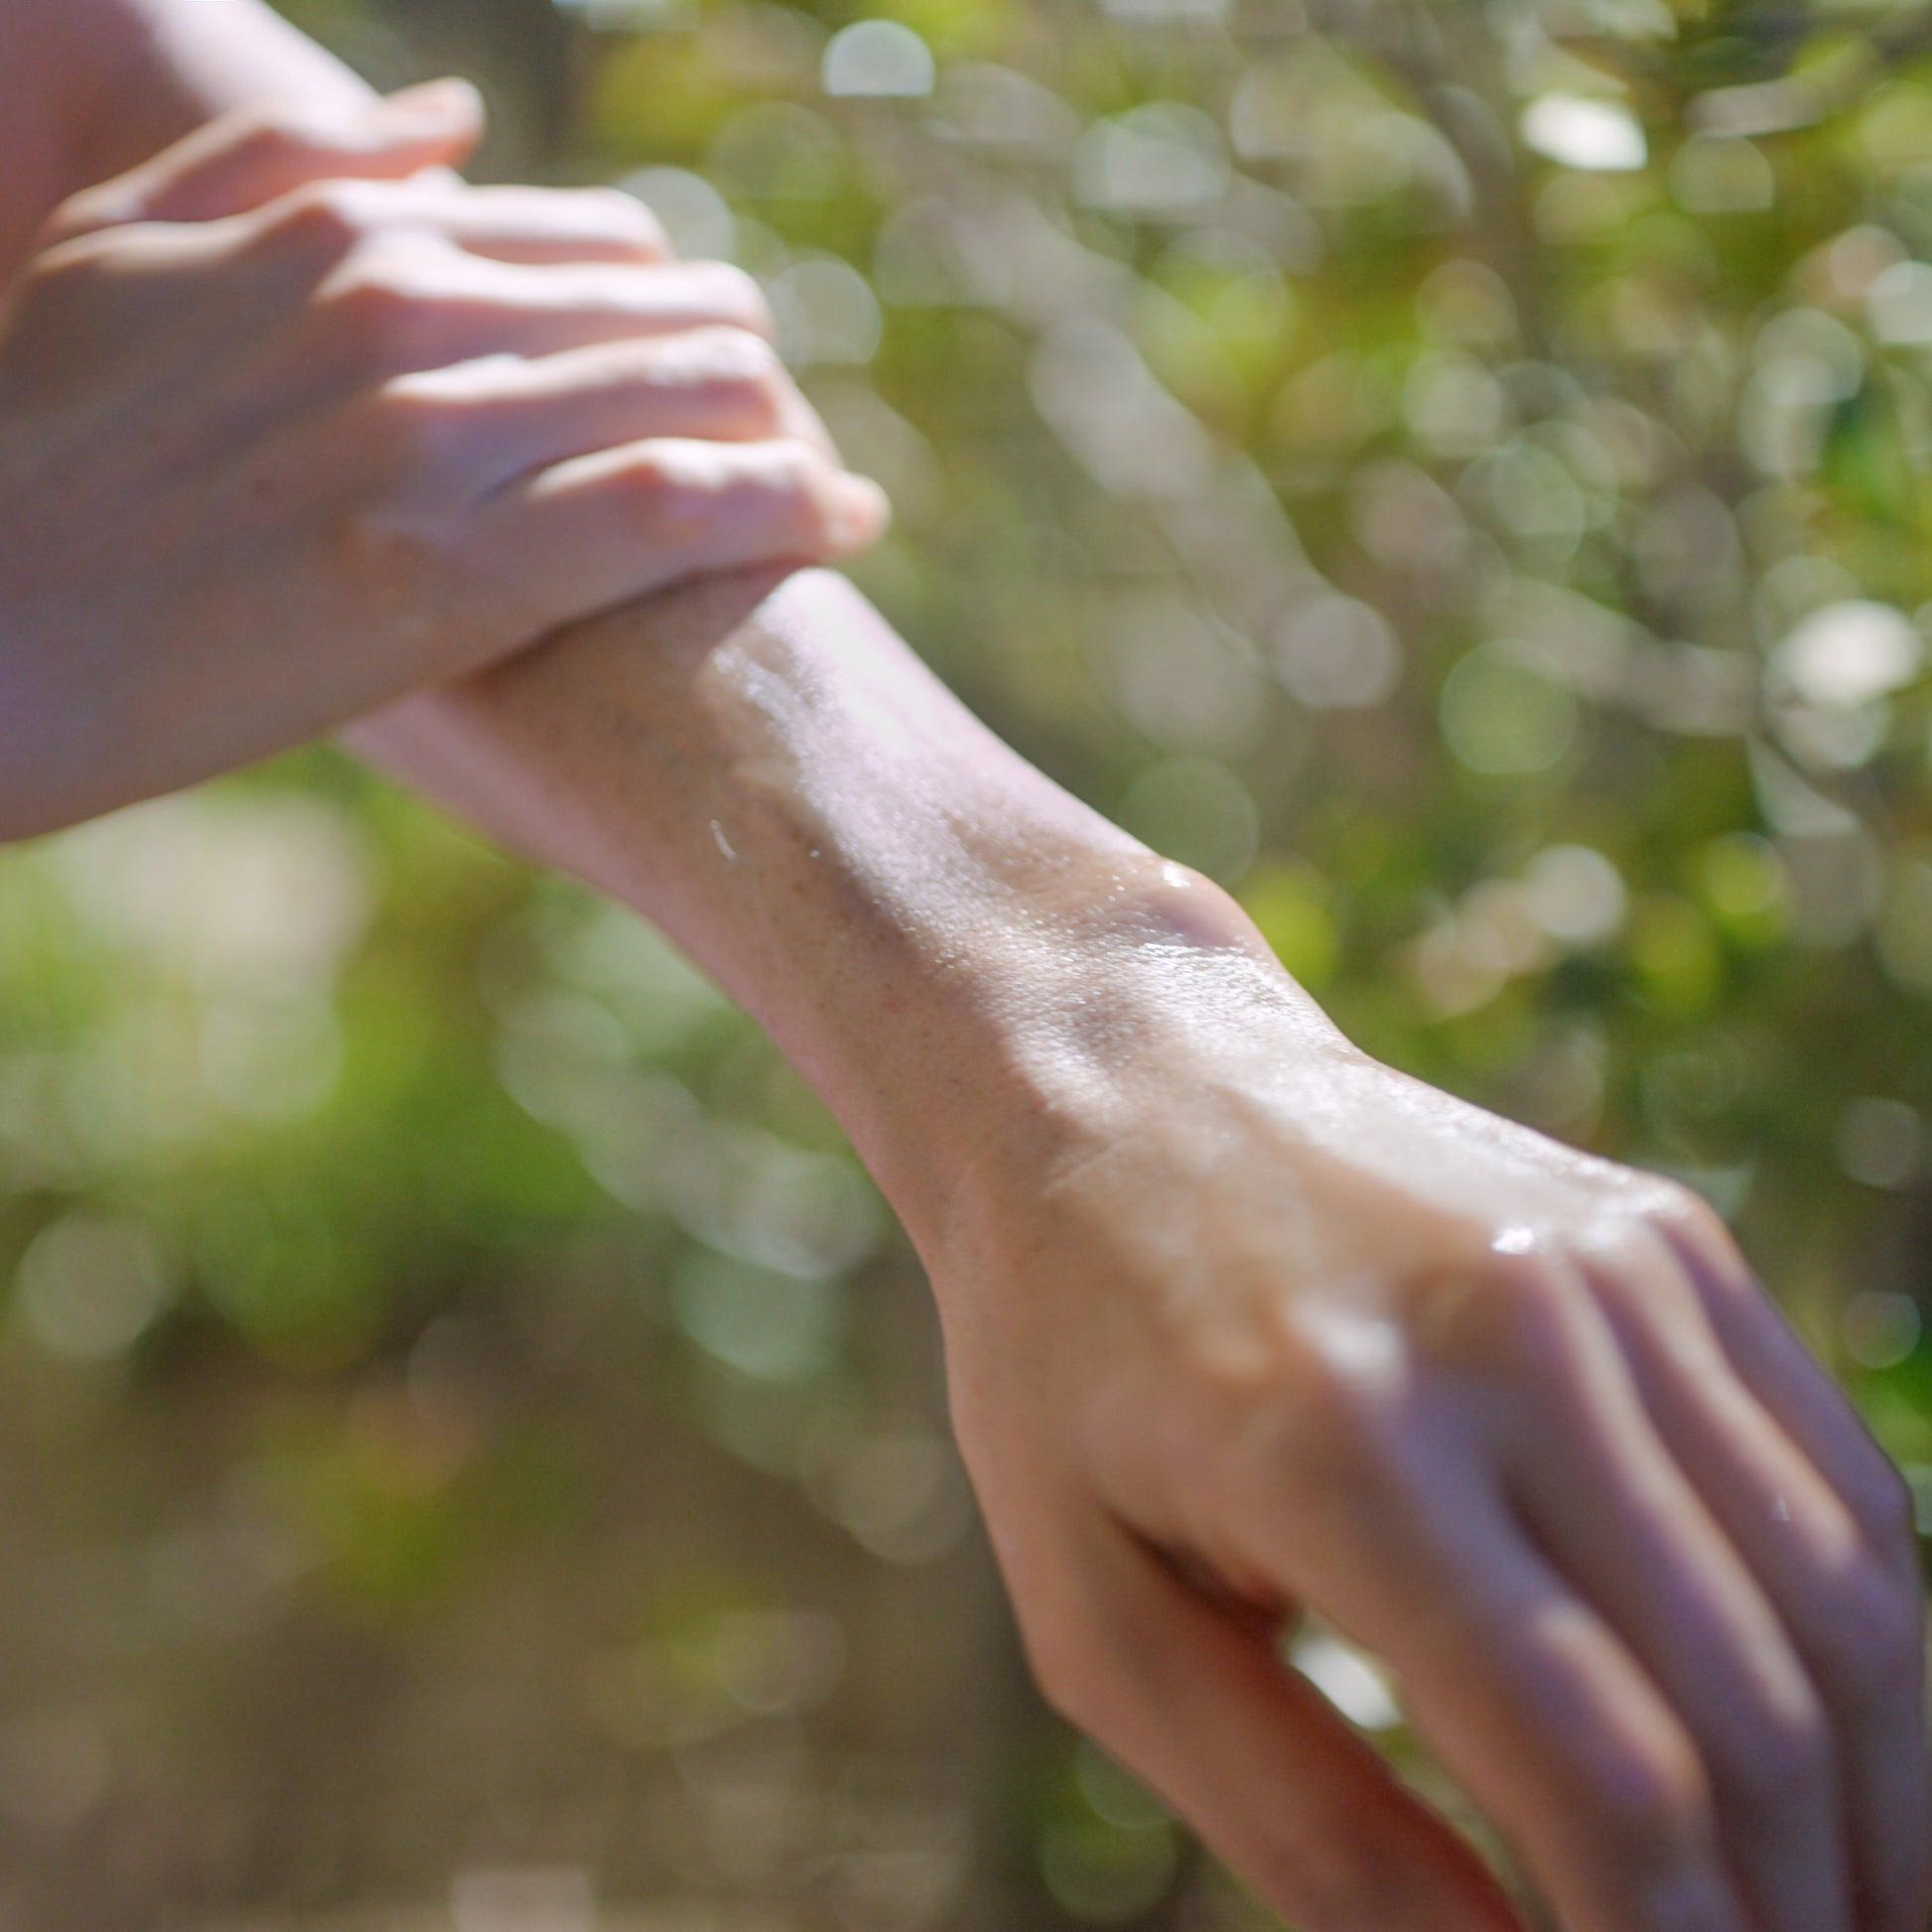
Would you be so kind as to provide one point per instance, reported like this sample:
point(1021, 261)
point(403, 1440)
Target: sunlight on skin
point(1236, 1318)
point(405, 426)
point(1216, 1287)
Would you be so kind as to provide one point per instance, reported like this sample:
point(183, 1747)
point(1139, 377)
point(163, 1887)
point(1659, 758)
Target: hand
point(293, 423)
point(1240, 1322)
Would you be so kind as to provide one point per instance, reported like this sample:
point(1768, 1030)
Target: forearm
point(936, 934)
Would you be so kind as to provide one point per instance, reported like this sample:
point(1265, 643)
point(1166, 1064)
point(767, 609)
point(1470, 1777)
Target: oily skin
point(356, 427)
point(1238, 1321)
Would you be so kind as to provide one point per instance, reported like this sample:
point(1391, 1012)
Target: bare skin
point(1238, 1321)
point(355, 428)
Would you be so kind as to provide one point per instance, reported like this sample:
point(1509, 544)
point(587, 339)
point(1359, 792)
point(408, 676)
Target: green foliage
point(1458, 474)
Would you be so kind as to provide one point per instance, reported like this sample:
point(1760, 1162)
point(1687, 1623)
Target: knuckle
point(1499, 1324)
point(801, 475)
point(741, 354)
point(321, 218)
point(273, 134)
point(660, 495)
point(1679, 1211)
point(739, 376)
point(1532, 1308)
point(735, 298)
point(372, 321)
point(266, 131)
point(779, 497)
point(1780, 1758)
point(650, 481)
point(272, 144)
point(748, 402)
point(626, 216)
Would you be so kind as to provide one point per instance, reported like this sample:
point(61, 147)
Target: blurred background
point(470, 1444)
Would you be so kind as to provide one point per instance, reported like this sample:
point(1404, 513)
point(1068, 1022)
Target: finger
point(538, 226)
point(601, 529)
point(1386, 1515)
point(525, 225)
point(1855, 1624)
point(243, 161)
point(1620, 1520)
point(504, 416)
point(1193, 1699)
point(1807, 1404)
point(404, 305)
point(1518, 1685)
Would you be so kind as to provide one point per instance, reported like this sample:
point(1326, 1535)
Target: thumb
point(248, 159)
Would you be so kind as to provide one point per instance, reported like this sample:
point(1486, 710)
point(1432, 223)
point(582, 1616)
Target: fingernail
point(432, 107)
point(859, 512)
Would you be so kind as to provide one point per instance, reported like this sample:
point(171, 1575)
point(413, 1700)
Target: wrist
point(1092, 1008)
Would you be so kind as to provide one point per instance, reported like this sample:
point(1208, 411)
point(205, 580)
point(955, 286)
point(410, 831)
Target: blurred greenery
point(469, 1436)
